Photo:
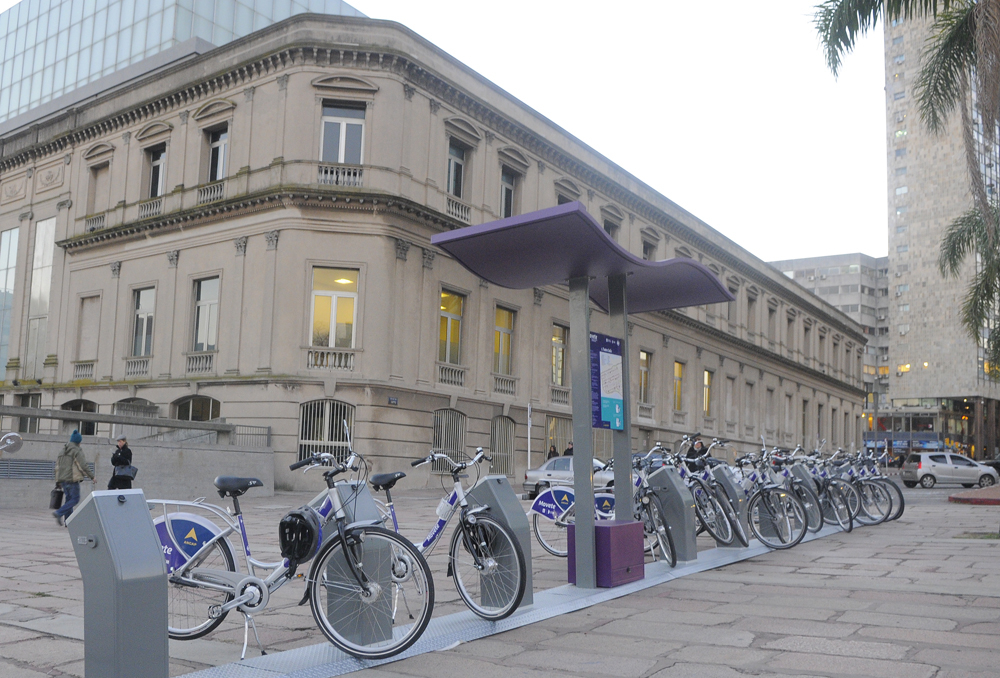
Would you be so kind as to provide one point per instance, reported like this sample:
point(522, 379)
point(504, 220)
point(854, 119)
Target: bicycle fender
point(552, 502)
point(190, 532)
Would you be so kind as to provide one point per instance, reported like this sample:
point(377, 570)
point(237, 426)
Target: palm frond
point(960, 240)
point(987, 35)
point(949, 55)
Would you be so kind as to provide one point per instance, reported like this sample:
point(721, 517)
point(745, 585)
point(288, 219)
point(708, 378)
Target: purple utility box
point(618, 548)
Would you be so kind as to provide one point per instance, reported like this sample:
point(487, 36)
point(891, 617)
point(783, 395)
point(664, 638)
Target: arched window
point(135, 407)
point(449, 436)
point(321, 427)
point(197, 408)
point(86, 428)
point(502, 445)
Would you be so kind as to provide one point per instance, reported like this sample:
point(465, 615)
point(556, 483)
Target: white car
point(559, 471)
point(930, 468)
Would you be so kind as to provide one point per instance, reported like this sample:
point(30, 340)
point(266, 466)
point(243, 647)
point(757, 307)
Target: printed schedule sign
point(606, 382)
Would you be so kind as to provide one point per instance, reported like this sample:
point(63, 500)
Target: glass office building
point(51, 47)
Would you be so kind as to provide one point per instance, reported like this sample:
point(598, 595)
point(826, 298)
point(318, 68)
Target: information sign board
point(606, 382)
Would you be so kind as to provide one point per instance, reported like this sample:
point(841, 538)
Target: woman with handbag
point(71, 468)
point(122, 470)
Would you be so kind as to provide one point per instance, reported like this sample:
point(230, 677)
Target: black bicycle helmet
point(300, 534)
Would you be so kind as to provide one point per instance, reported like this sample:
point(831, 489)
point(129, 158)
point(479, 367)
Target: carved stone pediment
point(214, 108)
point(153, 130)
point(463, 130)
point(513, 157)
point(98, 152)
point(568, 188)
point(344, 84)
point(612, 212)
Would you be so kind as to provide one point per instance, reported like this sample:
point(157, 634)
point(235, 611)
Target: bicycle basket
point(300, 535)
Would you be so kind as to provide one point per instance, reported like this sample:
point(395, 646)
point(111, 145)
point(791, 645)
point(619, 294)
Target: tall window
point(157, 158)
point(321, 427)
point(706, 400)
point(678, 386)
point(503, 335)
point(343, 134)
point(86, 428)
point(28, 424)
point(644, 361)
point(198, 408)
point(456, 168)
point(334, 307)
point(206, 314)
point(508, 189)
point(38, 303)
point(451, 327)
point(8, 270)
point(144, 303)
point(218, 143)
point(648, 250)
point(560, 337)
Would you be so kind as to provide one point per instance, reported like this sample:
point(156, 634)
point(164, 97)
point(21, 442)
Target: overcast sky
point(725, 107)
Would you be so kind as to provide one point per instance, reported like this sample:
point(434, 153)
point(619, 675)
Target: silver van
point(930, 468)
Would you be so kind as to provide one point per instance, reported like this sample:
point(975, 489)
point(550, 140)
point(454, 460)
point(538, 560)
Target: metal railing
point(94, 223)
point(252, 436)
point(151, 208)
point(504, 385)
point(459, 210)
point(451, 375)
point(211, 193)
point(329, 359)
point(340, 175)
point(83, 370)
point(200, 363)
point(136, 367)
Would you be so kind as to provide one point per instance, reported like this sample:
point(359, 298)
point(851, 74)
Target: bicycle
point(370, 590)
point(554, 510)
point(776, 516)
point(484, 558)
point(708, 508)
point(702, 468)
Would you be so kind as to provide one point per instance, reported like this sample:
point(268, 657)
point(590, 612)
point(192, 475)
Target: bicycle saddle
point(385, 481)
point(234, 487)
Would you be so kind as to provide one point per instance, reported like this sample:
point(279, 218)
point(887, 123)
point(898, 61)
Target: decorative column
point(267, 309)
point(236, 326)
point(398, 306)
point(175, 344)
point(430, 303)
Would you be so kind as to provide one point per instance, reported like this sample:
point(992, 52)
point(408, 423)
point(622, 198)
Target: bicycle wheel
point(876, 503)
point(187, 605)
point(898, 502)
point(392, 616)
point(733, 515)
point(810, 502)
point(837, 507)
point(488, 567)
point(711, 513)
point(551, 534)
point(851, 495)
point(777, 518)
point(657, 533)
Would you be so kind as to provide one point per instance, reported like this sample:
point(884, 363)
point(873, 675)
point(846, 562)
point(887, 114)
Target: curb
point(977, 501)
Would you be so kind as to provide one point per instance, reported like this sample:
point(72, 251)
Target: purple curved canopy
point(551, 246)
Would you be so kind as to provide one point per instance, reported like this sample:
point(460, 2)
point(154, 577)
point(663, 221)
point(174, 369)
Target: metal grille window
point(142, 334)
point(560, 432)
point(503, 335)
point(321, 428)
point(334, 307)
point(706, 403)
point(678, 386)
point(206, 314)
point(560, 337)
point(644, 361)
point(343, 134)
point(449, 436)
point(451, 328)
point(502, 445)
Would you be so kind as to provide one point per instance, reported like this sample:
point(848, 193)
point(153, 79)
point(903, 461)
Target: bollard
point(737, 497)
point(124, 586)
point(678, 507)
point(495, 491)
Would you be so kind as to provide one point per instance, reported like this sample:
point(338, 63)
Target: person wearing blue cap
point(71, 468)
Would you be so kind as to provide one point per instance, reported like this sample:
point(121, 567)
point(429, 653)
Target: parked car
point(930, 468)
point(559, 471)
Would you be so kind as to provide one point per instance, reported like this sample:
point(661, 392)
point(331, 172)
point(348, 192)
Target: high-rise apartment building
point(936, 368)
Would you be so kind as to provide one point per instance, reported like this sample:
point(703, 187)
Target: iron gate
point(321, 428)
point(502, 445)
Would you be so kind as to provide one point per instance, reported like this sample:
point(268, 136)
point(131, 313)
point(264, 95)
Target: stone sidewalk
point(913, 598)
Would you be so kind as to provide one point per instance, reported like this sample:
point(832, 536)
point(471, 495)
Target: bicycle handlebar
point(455, 466)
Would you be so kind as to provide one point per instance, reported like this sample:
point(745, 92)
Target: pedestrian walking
point(568, 452)
point(71, 468)
point(120, 458)
point(553, 452)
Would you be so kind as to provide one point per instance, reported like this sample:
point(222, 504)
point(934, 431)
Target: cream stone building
point(245, 233)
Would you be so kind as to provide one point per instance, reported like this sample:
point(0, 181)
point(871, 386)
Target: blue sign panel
point(607, 385)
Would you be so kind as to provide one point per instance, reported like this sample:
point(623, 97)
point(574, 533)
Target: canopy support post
point(622, 440)
point(583, 436)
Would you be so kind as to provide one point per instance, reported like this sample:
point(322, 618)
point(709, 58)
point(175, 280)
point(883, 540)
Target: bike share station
point(122, 559)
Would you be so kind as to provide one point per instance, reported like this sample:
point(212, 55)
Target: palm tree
point(961, 56)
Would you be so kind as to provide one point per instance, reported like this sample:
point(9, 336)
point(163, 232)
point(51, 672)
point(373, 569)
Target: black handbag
point(56, 497)
point(128, 471)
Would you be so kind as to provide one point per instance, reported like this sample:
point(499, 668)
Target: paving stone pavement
point(914, 598)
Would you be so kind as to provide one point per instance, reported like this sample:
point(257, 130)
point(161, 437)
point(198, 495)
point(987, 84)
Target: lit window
point(142, 333)
point(456, 168)
point(560, 336)
point(206, 314)
point(334, 307)
point(451, 327)
point(900, 133)
point(707, 394)
point(343, 134)
point(503, 335)
point(678, 385)
point(644, 361)
point(903, 368)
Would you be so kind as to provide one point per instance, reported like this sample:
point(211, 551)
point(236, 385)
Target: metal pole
point(622, 440)
point(583, 437)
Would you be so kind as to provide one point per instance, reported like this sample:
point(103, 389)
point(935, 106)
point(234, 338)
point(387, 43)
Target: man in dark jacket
point(122, 456)
point(568, 452)
point(71, 468)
